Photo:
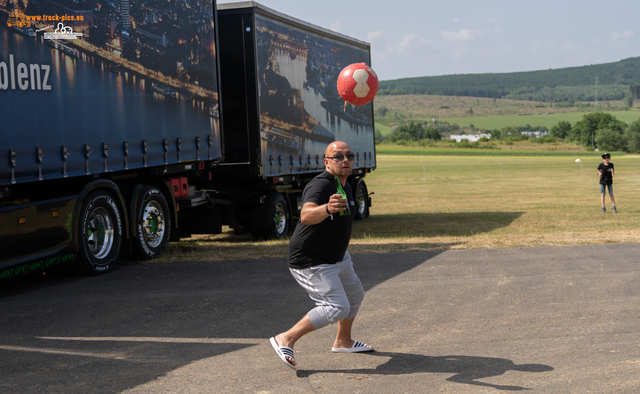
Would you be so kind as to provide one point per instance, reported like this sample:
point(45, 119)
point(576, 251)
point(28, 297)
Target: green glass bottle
point(340, 191)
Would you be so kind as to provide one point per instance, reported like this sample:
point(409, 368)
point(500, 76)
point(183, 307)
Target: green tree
point(628, 100)
point(398, 136)
point(509, 131)
point(382, 111)
point(632, 137)
point(433, 134)
point(609, 140)
point(585, 131)
point(561, 130)
point(413, 129)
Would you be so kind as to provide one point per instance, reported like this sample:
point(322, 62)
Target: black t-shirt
point(606, 178)
point(327, 241)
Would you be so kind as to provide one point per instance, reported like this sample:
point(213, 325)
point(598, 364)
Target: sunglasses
point(340, 158)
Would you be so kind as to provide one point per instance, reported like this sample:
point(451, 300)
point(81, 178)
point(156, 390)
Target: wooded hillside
point(559, 85)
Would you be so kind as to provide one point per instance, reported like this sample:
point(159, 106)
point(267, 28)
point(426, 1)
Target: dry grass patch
point(481, 202)
point(426, 106)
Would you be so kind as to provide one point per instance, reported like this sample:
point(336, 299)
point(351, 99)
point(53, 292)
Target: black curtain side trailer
point(280, 110)
point(133, 135)
point(104, 132)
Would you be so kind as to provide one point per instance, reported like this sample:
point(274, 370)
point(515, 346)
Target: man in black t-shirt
point(605, 172)
point(319, 261)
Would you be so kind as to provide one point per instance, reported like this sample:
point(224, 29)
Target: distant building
point(537, 134)
point(122, 8)
point(470, 137)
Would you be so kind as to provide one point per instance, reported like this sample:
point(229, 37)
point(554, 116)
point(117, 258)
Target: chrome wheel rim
point(153, 224)
point(100, 233)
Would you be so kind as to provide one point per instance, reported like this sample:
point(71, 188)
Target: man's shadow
point(466, 369)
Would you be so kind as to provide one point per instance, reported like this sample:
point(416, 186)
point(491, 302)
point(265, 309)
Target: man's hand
point(313, 214)
point(337, 203)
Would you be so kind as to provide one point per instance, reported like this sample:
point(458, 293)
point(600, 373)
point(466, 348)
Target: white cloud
point(337, 26)
point(375, 35)
point(627, 35)
point(405, 44)
point(460, 35)
point(410, 42)
point(393, 58)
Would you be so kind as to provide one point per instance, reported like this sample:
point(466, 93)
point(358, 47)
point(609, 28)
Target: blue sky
point(426, 38)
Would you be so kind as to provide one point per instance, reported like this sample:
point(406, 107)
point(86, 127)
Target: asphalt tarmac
point(541, 319)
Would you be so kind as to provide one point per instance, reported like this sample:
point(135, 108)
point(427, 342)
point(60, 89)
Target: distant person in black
point(319, 261)
point(605, 171)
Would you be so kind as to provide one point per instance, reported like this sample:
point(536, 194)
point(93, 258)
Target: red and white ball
point(357, 84)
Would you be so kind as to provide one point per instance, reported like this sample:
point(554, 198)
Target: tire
point(361, 199)
point(100, 233)
point(152, 224)
point(272, 219)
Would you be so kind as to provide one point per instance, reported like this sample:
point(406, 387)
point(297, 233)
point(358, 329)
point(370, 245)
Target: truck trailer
point(133, 126)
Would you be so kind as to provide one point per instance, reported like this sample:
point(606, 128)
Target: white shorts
point(335, 288)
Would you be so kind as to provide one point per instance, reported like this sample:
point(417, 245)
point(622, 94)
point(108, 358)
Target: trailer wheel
point(271, 220)
point(153, 224)
point(100, 233)
point(361, 198)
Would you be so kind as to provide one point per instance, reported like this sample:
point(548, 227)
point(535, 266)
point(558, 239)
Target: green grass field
point(439, 202)
point(384, 129)
point(444, 202)
point(499, 122)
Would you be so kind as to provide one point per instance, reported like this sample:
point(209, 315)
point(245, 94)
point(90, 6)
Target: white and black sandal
point(357, 347)
point(283, 352)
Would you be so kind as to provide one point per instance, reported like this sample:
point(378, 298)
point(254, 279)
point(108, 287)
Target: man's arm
point(313, 213)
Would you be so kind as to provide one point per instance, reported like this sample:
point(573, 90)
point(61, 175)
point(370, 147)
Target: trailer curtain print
point(154, 64)
point(298, 70)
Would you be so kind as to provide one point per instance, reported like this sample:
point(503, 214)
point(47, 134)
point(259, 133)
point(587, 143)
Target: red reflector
point(184, 187)
point(175, 186)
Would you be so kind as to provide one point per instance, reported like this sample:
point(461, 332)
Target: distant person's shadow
point(466, 369)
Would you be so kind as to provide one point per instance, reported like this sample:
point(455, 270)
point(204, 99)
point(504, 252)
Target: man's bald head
point(334, 147)
point(342, 168)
